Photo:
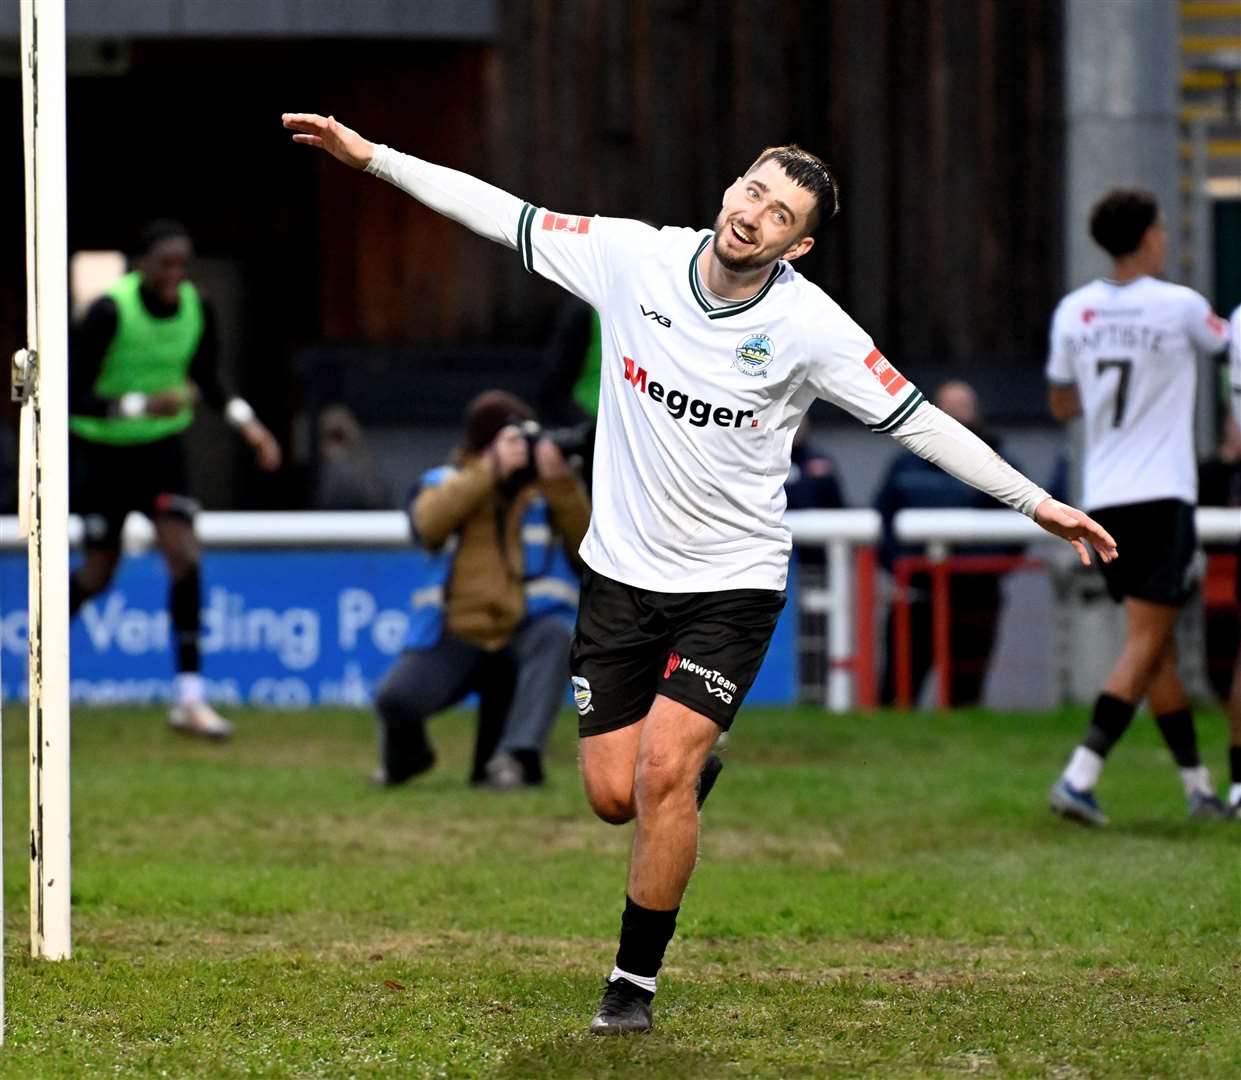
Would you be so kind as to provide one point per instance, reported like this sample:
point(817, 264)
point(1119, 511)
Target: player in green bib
point(142, 356)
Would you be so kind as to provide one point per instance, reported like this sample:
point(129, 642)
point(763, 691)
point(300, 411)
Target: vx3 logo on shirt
point(651, 313)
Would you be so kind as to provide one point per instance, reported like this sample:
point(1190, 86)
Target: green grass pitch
point(877, 895)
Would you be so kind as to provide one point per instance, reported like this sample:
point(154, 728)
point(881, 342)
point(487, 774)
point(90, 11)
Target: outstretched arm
point(933, 434)
point(477, 205)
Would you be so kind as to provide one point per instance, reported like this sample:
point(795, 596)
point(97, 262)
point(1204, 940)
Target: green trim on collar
point(735, 309)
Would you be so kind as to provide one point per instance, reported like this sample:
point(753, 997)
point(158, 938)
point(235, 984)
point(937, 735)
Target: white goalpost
point(40, 379)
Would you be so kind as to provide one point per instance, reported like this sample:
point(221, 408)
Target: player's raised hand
point(263, 443)
point(328, 133)
point(1077, 528)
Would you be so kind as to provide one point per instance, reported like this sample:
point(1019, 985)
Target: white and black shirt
point(699, 403)
point(1131, 351)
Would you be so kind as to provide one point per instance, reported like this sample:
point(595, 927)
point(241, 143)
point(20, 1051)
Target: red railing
point(940, 571)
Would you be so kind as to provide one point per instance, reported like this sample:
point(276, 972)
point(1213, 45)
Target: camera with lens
point(573, 442)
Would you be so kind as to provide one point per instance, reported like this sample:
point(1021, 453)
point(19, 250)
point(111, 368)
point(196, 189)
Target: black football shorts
point(700, 649)
point(108, 482)
point(1156, 543)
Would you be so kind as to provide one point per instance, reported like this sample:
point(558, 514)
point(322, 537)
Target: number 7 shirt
point(1131, 351)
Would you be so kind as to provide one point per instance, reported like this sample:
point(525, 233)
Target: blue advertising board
point(282, 629)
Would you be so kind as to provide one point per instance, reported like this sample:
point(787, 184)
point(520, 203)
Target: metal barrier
point(847, 537)
point(942, 530)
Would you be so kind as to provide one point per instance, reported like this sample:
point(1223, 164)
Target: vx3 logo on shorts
point(719, 692)
point(581, 695)
point(651, 313)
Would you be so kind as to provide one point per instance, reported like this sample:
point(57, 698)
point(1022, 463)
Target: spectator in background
point(348, 476)
point(143, 355)
point(814, 481)
point(912, 482)
point(494, 618)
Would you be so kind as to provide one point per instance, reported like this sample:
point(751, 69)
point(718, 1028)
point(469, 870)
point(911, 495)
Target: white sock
point(1083, 769)
point(1197, 781)
point(647, 982)
point(188, 688)
point(1234, 794)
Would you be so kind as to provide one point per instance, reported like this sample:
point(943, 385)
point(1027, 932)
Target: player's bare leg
point(1170, 704)
point(674, 745)
point(1148, 632)
point(190, 713)
point(608, 765)
point(1148, 635)
point(649, 770)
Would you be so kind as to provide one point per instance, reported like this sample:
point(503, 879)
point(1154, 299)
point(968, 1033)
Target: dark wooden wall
point(941, 117)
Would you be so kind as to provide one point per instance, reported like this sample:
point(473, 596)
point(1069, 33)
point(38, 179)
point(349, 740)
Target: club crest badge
point(754, 355)
point(581, 695)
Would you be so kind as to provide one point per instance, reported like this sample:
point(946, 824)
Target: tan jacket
point(485, 597)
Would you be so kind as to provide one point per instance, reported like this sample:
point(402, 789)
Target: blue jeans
point(541, 650)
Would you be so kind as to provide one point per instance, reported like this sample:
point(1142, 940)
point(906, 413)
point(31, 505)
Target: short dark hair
point(156, 232)
point(809, 172)
point(1120, 219)
point(487, 414)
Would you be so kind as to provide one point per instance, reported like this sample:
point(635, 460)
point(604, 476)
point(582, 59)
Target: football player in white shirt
point(1123, 356)
point(1234, 698)
point(713, 349)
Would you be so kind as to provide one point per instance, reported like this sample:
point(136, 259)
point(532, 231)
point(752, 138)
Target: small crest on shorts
point(754, 355)
point(581, 695)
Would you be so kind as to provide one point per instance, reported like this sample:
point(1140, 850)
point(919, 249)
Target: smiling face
point(765, 216)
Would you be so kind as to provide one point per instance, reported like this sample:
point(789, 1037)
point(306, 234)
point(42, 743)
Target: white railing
point(840, 532)
point(313, 528)
point(943, 529)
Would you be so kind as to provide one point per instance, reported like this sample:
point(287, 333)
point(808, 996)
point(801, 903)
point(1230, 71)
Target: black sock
point(77, 595)
point(1111, 718)
point(644, 937)
point(1234, 761)
point(185, 603)
point(1178, 732)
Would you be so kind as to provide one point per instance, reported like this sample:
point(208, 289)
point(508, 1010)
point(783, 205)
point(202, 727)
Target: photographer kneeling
point(500, 523)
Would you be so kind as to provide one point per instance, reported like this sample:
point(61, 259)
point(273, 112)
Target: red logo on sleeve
point(561, 223)
point(889, 378)
point(1216, 323)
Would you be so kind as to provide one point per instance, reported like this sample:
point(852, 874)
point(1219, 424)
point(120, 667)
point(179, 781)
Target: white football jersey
point(1131, 352)
point(1234, 364)
point(698, 405)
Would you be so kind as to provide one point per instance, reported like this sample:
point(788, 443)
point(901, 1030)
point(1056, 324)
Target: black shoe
point(392, 775)
point(625, 1009)
point(707, 778)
